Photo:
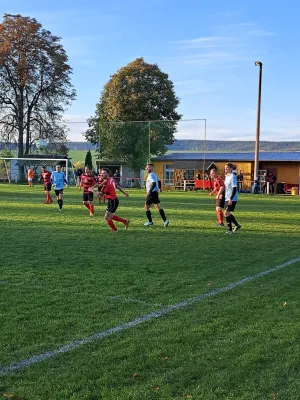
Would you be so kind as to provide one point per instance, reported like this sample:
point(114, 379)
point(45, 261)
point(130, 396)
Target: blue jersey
point(58, 179)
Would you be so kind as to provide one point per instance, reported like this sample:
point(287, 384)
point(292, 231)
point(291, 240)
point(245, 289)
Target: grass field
point(64, 278)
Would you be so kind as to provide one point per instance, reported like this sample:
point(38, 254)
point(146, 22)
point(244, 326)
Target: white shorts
point(29, 179)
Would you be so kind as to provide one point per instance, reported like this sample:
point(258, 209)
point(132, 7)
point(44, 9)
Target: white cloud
point(260, 33)
point(202, 42)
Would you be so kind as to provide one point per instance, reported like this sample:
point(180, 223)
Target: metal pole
point(99, 149)
point(256, 159)
point(149, 127)
point(204, 156)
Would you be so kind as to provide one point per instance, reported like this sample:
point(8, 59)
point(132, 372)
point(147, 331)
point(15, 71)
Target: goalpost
point(10, 166)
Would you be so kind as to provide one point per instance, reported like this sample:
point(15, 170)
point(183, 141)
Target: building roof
point(287, 156)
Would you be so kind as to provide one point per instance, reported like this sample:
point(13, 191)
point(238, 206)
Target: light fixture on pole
point(256, 159)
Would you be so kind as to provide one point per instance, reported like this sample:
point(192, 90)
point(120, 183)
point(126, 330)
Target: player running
point(219, 188)
point(231, 198)
point(57, 181)
point(88, 182)
point(46, 176)
point(100, 194)
point(109, 187)
point(153, 184)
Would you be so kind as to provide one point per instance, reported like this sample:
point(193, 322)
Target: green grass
point(79, 155)
point(63, 277)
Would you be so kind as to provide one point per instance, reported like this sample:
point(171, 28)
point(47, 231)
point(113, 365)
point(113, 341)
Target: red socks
point(111, 224)
point(220, 216)
point(119, 219)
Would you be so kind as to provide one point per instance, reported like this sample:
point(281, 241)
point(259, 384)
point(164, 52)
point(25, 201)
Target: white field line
point(6, 370)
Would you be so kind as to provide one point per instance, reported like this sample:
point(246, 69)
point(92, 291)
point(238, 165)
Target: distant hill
point(198, 145)
point(231, 146)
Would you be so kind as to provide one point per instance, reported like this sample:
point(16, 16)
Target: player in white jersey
point(231, 198)
point(57, 181)
point(153, 185)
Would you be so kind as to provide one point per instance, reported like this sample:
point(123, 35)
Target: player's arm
point(159, 185)
point(121, 190)
point(52, 179)
point(65, 181)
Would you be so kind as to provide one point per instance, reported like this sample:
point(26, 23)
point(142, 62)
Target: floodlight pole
point(204, 156)
point(99, 149)
point(256, 157)
point(149, 139)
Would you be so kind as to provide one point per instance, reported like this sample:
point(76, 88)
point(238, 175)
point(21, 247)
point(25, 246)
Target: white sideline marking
point(148, 317)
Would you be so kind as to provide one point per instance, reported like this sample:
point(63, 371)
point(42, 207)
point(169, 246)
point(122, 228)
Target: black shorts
point(57, 192)
point(87, 196)
point(152, 199)
point(230, 208)
point(112, 205)
point(220, 202)
point(47, 187)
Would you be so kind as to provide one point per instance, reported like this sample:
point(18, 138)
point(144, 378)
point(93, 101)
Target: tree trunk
point(21, 131)
point(28, 138)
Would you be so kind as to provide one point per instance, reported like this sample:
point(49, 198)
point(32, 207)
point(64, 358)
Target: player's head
point(87, 170)
point(228, 168)
point(149, 167)
point(106, 173)
point(213, 173)
point(58, 168)
point(43, 168)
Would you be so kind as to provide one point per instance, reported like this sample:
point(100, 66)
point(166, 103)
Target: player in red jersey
point(219, 188)
point(87, 181)
point(46, 176)
point(101, 195)
point(109, 187)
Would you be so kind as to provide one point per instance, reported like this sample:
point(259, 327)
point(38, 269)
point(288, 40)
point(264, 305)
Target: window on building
point(169, 174)
point(189, 174)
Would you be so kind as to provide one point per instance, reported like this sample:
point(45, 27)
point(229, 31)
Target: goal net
point(14, 170)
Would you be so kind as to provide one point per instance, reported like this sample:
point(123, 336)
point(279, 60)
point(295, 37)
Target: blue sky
point(208, 48)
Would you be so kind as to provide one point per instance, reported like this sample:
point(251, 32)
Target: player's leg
point(60, 199)
point(147, 207)
point(119, 219)
point(111, 207)
point(85, 200)
point(160, 210)
point(91, 198)
point(48, 193)
point(219, 212)
point(233, 220)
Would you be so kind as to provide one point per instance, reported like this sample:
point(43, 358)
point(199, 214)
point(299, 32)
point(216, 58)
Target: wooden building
point(173, 168)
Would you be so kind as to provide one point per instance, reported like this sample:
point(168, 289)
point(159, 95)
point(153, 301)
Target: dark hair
point(44, 167)
point(107, 170)
point(150, 164)
point(230, 165)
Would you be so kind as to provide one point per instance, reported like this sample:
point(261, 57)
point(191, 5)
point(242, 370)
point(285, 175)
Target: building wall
point(287, 172)
point(159, 168)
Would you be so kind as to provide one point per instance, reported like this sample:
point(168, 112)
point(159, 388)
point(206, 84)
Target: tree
point(137, 92)
point(35, 86)
point(88, 160)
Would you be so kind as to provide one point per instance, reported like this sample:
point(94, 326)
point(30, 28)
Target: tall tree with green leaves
point(35, 85)
point(137, 93)
point(88, 160)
